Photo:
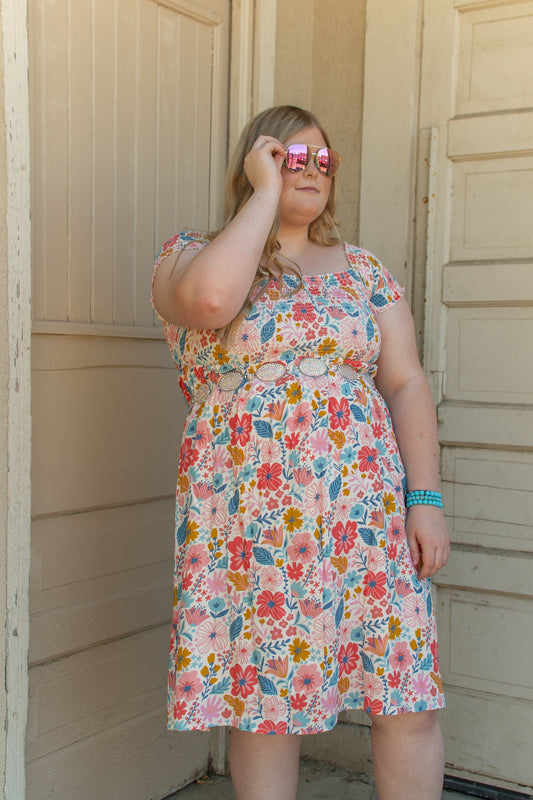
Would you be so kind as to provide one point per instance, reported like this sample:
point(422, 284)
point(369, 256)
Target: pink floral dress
point(295, 596)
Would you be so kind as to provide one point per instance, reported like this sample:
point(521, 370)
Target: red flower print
point(368, 459)
point(241, 427)
point(270, 727)
point(347, 657)
point(188, 455)
point(373, 706)
point(244, 681)
point(271, 604)
point(295, 571)
point(268, 476)
point(179, 710)
point(374, 584)
point(339, 413)
point(304, 312)
point(298, 702)
point(302, 548)
point(394, 679)
point(241, 551)
point(291, 441)
point(345, 534)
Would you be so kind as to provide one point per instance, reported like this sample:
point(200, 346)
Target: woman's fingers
point(262, 164)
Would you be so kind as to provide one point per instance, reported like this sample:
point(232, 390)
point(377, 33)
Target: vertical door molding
point(388, 161)
point(17, 138)
point(253, 49)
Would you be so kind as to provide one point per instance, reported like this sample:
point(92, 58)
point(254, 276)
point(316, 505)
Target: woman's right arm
point(207, 289)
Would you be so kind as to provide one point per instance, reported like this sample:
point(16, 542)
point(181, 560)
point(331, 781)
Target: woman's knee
point(412, 723)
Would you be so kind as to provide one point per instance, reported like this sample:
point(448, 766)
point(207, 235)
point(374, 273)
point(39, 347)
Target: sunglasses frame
point(312, 153)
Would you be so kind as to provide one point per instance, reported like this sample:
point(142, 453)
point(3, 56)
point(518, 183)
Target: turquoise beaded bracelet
point(423, 497)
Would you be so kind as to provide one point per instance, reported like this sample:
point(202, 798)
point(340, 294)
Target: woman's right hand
point(262, 165)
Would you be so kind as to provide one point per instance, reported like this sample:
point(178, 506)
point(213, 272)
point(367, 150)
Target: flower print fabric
point(295, 595)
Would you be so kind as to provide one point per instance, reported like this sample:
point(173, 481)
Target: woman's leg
point(264, 767)
point(408, 755)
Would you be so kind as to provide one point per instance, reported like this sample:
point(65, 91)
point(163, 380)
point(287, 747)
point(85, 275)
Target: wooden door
point(129, 136)
point(475, 108)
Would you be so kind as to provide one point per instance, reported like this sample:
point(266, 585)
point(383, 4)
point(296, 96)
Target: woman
point(300, 591)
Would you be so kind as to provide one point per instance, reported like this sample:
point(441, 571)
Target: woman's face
point(304, 194)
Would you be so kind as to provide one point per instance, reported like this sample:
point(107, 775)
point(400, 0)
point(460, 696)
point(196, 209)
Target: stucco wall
point(319, 65)
point(3, 411)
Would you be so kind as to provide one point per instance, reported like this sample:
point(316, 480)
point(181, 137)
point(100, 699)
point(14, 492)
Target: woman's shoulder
point(382, 287)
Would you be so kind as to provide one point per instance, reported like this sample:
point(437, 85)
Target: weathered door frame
point(253, 30)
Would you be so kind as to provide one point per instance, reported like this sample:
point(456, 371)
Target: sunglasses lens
point(296, 157)
point(327, 161)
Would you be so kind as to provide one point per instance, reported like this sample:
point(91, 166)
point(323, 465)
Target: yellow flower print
point(293, 519)
point(395, 627)
point(220, 355)
point(183, 658)
point(294, 393)
point(299, 650)
point(389, 502)
point(327, 347)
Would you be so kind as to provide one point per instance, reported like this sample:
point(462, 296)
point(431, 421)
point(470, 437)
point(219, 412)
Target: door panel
point(129, 137)
point(476, 98)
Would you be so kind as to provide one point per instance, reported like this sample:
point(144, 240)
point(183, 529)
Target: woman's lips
point(307, 189)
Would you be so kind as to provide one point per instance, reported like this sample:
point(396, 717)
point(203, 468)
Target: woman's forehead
point(311, 135)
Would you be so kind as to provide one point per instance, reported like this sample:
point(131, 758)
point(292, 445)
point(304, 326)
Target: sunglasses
point(298, 156)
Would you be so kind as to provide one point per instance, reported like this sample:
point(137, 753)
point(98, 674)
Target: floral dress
point(295, 595)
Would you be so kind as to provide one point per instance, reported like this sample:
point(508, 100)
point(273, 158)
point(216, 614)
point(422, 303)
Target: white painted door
point(129, 135)
point(447, 201)
point(475, 106)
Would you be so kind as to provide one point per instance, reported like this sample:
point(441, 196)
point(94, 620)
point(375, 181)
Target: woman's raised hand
point(262, 165)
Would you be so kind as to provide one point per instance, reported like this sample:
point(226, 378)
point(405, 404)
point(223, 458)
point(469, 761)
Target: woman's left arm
point(402, 383)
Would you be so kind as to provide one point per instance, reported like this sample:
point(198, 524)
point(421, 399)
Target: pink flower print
point(314, 499)
point(353, 334)
point(246, 339)
point(271, 578)
point(303, 476)
point(188, 686)
point(422, 684)
point(302, 548)
point(301, 418)
point(373, 685)
point(212, 710)
point(344, 534)
point(339, 413)
point(272, 728)
point(215, 512)
point(197, 558)
point(376, 560)
point(320, 442)
point(375, 585)
point(278, 666)
point(212, 636)
point(343, 507)
point(270, 451)
point(415, 611)
point(324, 630)
point(244, 680)
point(368, 459)
point(395, 529)
point(310, 608)
point(403, 587)
point(202, 491)
point(195, 616)
point(217, 582)
point(203, 435)
point(401, 657)
point(268, 477)
point(271, 604)
point(241, 551)
point(241, 428)
point(378, 411)
point(273, 708)
point(347, 657)
point(304, 312)
point(307, 679)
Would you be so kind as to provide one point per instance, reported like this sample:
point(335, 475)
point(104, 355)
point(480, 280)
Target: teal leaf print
point(340, 612)
point(235, 628)
point(368, 666)
point(378, 300)
point(268, 330)
point(263, 556)
point(368, 536)
point(370, 329)
point(181, 532)
point(267, 686)
point(233, 504)
point(427, 663)
point(222, 686)
point(335, 488)
point(357, 413)
point(264, 429)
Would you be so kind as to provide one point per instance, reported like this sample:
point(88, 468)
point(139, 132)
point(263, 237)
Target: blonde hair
point(282, 122)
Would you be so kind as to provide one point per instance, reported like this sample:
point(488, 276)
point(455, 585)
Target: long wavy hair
point(282, 122)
